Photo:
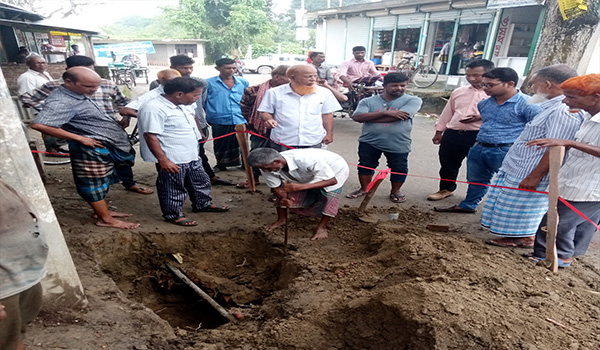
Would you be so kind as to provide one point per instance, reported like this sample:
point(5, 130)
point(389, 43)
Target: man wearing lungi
point(96, 140)
point(515, 215)
point(308, 181)
point(169, 138)
point(578, 181)
point(223, 112)
point(504, 116)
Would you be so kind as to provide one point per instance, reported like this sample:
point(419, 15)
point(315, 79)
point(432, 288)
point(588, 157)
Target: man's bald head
point(303, 74)
point(166, 75)
point(81, 80)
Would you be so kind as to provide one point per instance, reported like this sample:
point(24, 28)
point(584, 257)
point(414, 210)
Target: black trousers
point(454, 148)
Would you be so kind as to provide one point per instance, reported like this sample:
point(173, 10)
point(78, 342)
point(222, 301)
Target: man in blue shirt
point(223, 111)
point(504, 116)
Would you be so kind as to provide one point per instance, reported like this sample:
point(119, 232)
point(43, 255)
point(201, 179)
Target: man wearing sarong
point(169, 138)
point(358, 70)
point(107, 97)
point(504, 116)
point(96, 141)
point(515, 215)
point(223, 111)
point(252, 98)
point(578, 180)
point(299, 114)
point(308, 181)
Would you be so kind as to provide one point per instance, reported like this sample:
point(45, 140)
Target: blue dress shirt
point(222, 104)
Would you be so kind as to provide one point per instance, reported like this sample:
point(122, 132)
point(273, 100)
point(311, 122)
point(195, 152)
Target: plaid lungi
point(315, 202)
point(93, 169)
point(227, 149)
point(512, 213)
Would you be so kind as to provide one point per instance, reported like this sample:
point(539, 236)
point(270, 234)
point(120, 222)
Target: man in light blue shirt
point(223, 111)
point(504, 116)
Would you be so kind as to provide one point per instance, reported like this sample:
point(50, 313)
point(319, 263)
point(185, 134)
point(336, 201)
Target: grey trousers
point(574, 233)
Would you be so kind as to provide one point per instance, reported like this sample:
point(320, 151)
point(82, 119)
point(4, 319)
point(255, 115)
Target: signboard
point(302, 34)
point(572, 8)
point(41, 36)
point(57, 40)
point(57, 33)
point(501, 38)
point(138, 47)
point(498, 4)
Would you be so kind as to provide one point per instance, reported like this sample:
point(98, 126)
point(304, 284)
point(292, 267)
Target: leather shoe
point(441, 194)
point(454, 209)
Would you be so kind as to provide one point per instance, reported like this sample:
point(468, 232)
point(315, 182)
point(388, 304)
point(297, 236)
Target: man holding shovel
point(308, 181)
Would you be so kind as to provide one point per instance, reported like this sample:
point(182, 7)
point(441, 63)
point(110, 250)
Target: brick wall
point(12, 72)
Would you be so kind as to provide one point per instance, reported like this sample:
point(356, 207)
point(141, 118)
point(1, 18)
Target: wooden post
point(556, 157)
point(243, 141)
point(370, 194)
point(285, 237)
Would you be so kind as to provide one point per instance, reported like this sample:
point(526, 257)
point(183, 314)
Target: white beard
point(537, 98)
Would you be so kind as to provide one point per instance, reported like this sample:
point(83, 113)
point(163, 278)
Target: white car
point(265, 64)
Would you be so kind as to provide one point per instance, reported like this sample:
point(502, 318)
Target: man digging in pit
point(308, 181)
point(97, 143)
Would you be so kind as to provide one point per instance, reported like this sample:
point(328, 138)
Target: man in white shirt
point(299, 114)
point(35, 76)
point(169, 138)
point(579, 181)
point(308, 181)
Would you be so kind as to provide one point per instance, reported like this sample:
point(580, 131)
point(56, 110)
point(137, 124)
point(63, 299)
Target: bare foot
point(320, 234)
point(275, 225)
point(117, 224)
point(114, 214)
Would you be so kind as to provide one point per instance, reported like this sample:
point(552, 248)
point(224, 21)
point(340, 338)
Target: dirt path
point(391, 285)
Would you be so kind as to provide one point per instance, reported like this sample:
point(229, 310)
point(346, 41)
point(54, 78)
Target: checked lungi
point(314, 202)
point(173, 188)
point(512, 213)
point(93, 169)
point(227, 149)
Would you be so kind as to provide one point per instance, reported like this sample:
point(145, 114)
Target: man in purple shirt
point(357, 70)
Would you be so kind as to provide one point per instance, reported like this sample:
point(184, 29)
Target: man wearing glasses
point(504, 116)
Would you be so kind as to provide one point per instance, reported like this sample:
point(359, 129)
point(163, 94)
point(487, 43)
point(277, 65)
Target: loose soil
point(387, 285)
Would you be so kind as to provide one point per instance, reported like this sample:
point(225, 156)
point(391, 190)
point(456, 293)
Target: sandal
point(183, 221)
point(245, 186)
point(212, 209)
point(397, 197)
point(511, 243)
point(356, 194)
point(219, 181)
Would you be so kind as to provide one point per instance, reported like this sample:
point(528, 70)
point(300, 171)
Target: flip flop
point(245, 186)
point(212, 209)
point(397, 197)
point(356, 194)
point(454, 209)
point(510, 243)
point(140, 190)
point(223, 182)
point(182, 222)
point(537, 259)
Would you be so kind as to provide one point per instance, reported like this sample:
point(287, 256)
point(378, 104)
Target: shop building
point(447, 34)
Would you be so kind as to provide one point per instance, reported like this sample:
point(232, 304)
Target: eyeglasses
point(489, 85)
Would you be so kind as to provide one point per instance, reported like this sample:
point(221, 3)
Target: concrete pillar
point(62, 287)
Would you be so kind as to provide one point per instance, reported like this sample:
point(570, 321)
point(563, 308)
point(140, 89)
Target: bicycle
point(124, 76)
point(422, 76)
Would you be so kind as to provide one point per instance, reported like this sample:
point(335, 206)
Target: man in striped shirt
point(515, 215)
point(579, 179)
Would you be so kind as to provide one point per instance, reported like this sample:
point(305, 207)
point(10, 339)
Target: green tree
point(229, 25)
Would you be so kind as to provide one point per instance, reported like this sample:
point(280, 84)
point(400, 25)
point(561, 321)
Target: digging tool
point(373, 186)
point(200, 292)
point(285, 237)
point(243, 142)
point(557, 154)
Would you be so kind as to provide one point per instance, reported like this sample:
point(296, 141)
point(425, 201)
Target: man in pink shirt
point(357, 70)
point(458, 125)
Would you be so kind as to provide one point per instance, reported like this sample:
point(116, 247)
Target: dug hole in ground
point(390, 285)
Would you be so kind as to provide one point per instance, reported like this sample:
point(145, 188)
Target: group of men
point(506, 135)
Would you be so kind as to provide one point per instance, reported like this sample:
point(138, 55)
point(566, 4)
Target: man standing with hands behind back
point(458, 125)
